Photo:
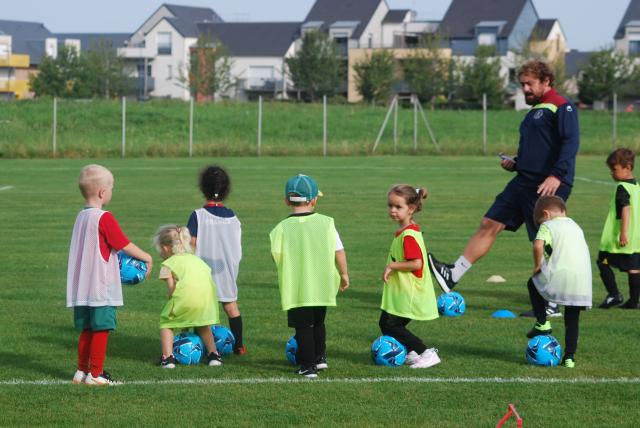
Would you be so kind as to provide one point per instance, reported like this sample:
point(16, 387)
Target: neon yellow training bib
point(610, 240)
point(406, 295)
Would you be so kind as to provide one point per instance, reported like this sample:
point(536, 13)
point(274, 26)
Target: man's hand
point(508, 165)
point(549, 186)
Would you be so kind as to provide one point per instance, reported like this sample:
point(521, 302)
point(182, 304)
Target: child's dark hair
point(623, 157)
point(412, 195)
point(547, 203)
point(215, 183)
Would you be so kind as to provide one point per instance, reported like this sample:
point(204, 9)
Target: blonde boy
point(307, 249)
point(93, 276)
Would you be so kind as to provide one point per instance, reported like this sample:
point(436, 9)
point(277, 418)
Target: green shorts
point(97, 318)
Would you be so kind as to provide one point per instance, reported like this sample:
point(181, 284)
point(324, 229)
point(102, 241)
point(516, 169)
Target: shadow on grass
point(28, 363)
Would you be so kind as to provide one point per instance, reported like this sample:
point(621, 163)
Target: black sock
point(236, 328)
point(634, 288)
point(538, 304)
point(572, 330)
point(608, 278)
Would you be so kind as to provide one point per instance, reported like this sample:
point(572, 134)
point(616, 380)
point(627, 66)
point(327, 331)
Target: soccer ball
point(291, 349)
point(132, 271)
point(387, 351)
point(543, 350)
point(451, 304)
point(225, 340)
point(188, 348)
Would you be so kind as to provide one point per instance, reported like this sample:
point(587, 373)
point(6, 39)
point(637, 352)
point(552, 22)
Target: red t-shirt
point(111, 236)
point(411, 248)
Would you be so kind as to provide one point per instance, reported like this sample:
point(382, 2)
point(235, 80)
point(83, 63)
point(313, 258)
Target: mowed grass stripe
point(364, 380)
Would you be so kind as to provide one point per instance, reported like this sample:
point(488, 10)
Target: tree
point(374, 76)
point(209, 69)
point(64, 76)
point(427, 71)
point(605, 72)
point(317, 67)
point(106, 75)
point(482, 76)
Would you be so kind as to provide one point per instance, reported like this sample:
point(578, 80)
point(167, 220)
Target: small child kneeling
point(562, 272)
point(192, 294)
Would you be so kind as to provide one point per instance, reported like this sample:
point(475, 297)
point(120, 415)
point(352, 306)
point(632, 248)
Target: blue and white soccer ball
point(225, 340)
point(291, 349)
point(387, 351)
point(544, 350)
point(132, 271)
point(188, 348)
point(451, 304)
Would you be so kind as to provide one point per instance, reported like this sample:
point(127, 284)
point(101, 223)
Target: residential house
point(258, 52)
point(158, 52)
point(627, 37)
point(86, 42)
point(22, 47)
point(512, 27)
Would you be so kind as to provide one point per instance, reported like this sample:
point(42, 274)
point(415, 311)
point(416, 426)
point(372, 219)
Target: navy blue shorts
point(514, 206)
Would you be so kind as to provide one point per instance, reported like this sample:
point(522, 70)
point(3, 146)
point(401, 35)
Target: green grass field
point(161, 128)
point(483, 367)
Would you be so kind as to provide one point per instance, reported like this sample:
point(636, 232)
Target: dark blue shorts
point(514, 206)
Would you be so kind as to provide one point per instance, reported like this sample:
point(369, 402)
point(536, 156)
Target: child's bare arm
point(134, 251)
point(171, 285)
point(538, 254)
point(194, 242)
point(341, 263)
point(625, 218)
point(407, 266)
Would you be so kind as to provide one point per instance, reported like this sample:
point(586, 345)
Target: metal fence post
point(124, 126)
point(395, 128)
point(324, 125)
point(55, 125)
point(484, 124)
point(414, 97)
point(191, 127)
point(260, 125)
point(615, 120)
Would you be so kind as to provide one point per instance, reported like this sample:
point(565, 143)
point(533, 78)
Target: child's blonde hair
point(173, 236)
point(92, 178)
point(411, 195)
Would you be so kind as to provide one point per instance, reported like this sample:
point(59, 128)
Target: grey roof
point(89, 41)
point(395, 16)
point(542, 29)
point(632, 14)
point(462, 16)
point(253, 38)
point(574, 60)
point(330, 11)
point(193, 14)
point(27, 38)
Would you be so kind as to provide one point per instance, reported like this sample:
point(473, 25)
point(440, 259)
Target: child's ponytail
point(412, 195)
point(173, 236)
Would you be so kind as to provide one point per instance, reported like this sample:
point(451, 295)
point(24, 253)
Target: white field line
point(589, 180)
point(5, 188)
point(282, 380)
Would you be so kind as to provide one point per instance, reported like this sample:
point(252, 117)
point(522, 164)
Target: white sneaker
point(428, 358)
point(103, 380)
point(412, 358)
point(79, 377)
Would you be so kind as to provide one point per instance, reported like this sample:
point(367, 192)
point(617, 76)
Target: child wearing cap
point(312, 266)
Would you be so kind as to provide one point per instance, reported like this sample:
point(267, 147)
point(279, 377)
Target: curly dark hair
point(623, 157)
point(540, 69)
point(214, 183)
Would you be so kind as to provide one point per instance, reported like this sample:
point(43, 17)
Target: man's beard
point(531, 99)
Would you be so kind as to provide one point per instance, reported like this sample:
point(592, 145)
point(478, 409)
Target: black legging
point(396, 327)
point(571, 318)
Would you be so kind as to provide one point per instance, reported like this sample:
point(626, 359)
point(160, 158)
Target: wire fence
point(97, 128)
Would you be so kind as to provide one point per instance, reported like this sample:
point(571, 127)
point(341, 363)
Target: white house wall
point(374, 27)
point(166, 69)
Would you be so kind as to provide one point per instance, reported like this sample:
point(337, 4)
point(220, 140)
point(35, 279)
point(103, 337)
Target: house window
point(164, 43)
point(486, 39)
point(140, 68)
point(634, 47)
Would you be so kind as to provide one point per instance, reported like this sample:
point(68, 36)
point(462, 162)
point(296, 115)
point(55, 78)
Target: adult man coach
point(545, 165)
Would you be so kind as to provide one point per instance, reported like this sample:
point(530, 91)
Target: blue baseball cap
point(301, 188)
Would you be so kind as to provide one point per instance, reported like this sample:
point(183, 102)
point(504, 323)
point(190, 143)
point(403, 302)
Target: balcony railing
point(262, 85)
point(15, 61)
